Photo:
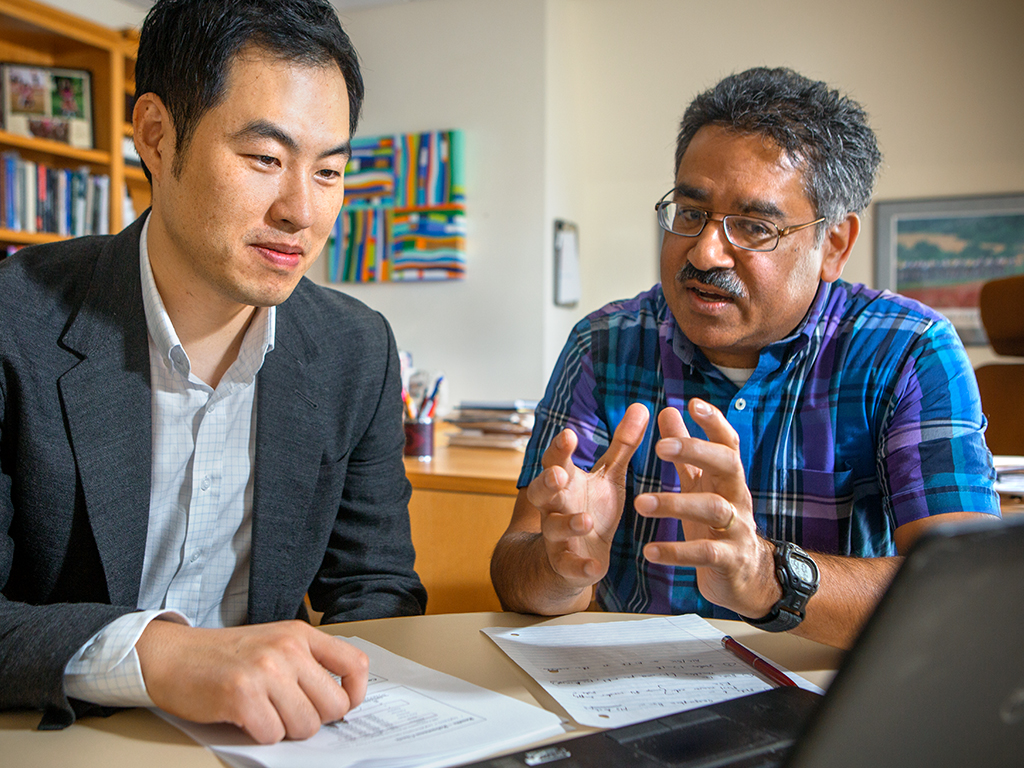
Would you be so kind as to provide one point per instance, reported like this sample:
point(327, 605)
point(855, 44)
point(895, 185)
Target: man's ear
point(838, 244)
point(153, 133)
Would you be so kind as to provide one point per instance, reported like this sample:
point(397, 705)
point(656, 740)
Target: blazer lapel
point(107, 404)
point(289, 446)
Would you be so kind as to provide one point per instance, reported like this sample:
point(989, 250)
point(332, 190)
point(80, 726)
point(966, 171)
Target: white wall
point(601, 85)
point(480, 67)
point(941, 80)
point(570, 109)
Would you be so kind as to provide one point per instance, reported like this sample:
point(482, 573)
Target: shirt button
point(195, 556)
point(205, 485)
point(741, 404)
point(211, 408)
point(92, 649)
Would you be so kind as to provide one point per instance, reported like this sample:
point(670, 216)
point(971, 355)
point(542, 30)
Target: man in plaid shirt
point(806, 429)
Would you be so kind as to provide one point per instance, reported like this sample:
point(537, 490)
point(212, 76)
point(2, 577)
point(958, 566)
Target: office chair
point(1002, 384)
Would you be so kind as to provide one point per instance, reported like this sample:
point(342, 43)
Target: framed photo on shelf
point(941, 251)
point(48, 103)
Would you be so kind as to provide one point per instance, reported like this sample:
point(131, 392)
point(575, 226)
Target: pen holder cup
point(419, 439)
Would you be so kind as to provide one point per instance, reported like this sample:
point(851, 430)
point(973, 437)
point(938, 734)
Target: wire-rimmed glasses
point(747, 232)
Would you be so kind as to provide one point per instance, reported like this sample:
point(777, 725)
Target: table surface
point(450, 643)
point(468, 470)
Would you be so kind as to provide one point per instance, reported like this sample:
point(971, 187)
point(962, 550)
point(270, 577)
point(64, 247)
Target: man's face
point(759, 298)
point(260, 185)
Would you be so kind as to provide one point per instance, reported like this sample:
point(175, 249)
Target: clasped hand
point(580, 510)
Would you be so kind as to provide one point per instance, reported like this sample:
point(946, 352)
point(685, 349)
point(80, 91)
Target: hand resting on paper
point(272, 680)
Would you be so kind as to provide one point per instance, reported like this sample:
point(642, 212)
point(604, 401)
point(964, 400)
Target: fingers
point(576, 569)
point(290, 689)
point(318, 697)
point(558, 527)
point(671, 427)
point(710, 509)
point(702, 553)
point(348, 663)
point(670, 424)
point(559, 453)
point(546, 491)
point(715, 462)
point(272, 680)
point(713, 423)
point(627, 438)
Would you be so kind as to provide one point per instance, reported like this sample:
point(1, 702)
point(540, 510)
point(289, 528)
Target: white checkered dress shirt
point(196, 566)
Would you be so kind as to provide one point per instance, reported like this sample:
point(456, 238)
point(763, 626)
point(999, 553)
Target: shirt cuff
point(106, 670)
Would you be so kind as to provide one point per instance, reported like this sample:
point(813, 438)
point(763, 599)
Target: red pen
point(759, 664)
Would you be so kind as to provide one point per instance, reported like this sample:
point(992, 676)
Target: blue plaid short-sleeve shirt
point(866, 418)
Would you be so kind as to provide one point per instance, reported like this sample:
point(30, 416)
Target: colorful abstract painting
point(404, 216)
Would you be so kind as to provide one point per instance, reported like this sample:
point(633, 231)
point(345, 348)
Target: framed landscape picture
point(941, 251)
point(48, 103)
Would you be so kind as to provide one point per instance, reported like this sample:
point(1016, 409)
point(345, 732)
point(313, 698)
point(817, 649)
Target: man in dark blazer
point(246, 186)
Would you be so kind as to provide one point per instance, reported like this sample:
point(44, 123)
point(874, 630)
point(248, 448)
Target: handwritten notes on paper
point(411, 716)
point(617, 673)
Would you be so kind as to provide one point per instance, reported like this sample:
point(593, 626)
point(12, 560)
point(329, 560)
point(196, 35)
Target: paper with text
point(412, 716)
point(617, 673)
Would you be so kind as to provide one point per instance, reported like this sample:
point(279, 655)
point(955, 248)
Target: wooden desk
point(451, 643)
point(1011, 504)
point(461, 504)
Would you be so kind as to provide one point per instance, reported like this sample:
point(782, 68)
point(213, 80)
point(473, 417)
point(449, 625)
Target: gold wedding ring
point(728, 525)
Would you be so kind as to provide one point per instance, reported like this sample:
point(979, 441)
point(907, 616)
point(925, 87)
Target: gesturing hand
point(271, 680)
point(580, 510)
point(735, 566)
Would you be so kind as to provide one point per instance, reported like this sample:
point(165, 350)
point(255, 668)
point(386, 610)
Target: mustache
point(724, 280)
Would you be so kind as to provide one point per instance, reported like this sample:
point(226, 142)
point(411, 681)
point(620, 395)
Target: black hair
point(816, 126)
point(187, 46)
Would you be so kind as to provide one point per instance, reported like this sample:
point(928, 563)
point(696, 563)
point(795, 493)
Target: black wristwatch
point(798, 575)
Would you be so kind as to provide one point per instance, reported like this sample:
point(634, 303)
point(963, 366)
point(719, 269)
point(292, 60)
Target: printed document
point(617, 673)
point(412, 716)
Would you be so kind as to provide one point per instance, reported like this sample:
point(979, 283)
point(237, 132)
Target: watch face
point(801, 569)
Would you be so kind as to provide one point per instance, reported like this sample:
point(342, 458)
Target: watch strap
point(789, 611)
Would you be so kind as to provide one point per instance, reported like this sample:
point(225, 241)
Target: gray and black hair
point(816, 126)
point(186, 48)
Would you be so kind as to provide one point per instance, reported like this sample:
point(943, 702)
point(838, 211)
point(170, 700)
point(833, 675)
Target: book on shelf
point(64, 201)
point(131, 154)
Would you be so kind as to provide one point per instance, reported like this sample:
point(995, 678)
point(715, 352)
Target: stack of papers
point(618, 673)
point(505, 424)
point(412, 716)
point(1009, 475)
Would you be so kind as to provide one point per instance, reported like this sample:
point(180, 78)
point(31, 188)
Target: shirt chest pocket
point(816, 494)
point(812, 508)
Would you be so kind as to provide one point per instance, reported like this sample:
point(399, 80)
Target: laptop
point(935, 679)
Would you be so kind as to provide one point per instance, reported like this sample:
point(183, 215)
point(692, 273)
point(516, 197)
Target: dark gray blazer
point(330, 512)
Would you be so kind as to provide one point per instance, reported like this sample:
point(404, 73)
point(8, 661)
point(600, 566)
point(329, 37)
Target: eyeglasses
point(746, 232)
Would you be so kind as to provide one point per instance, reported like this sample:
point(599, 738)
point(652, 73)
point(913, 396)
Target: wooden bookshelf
point(35, 34)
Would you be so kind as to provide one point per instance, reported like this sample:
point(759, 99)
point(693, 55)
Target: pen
point(409, 410)
point(437, 387)
point(760, 665)
point(431, 400)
